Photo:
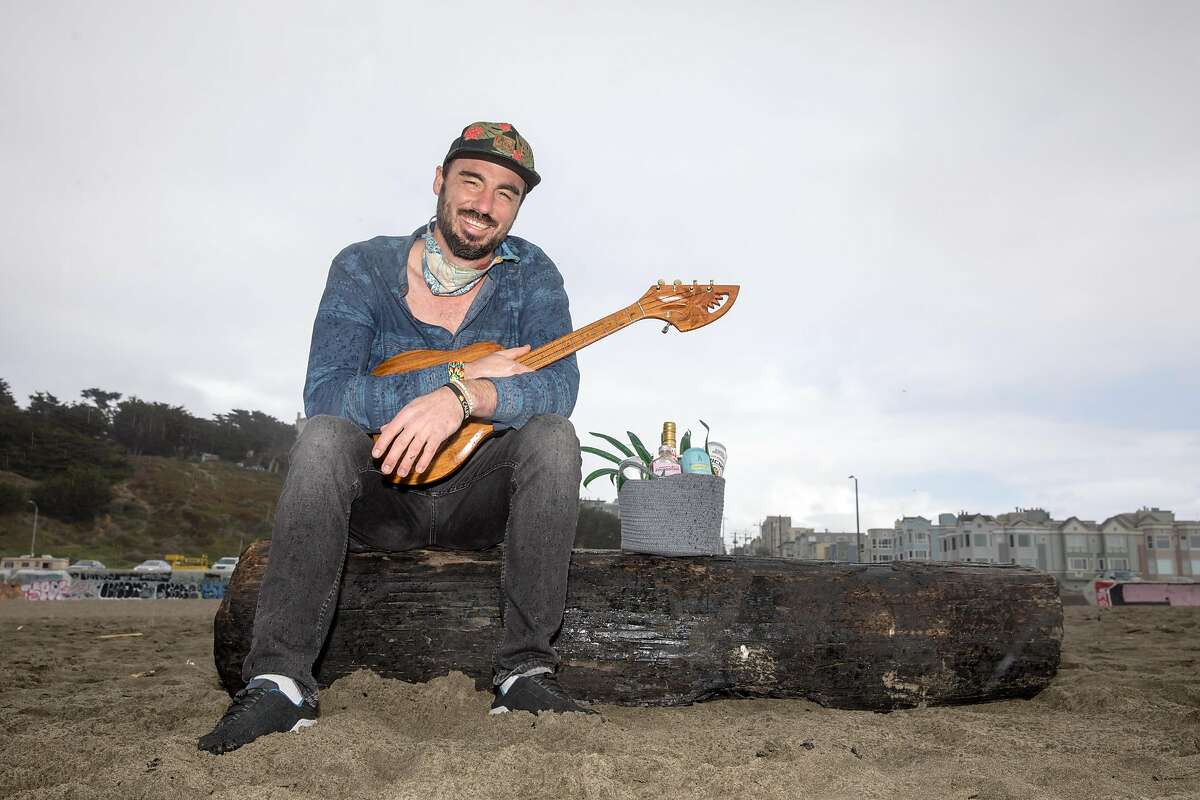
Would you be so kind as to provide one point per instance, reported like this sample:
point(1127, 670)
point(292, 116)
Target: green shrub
point(12, 498)
point(79, 493)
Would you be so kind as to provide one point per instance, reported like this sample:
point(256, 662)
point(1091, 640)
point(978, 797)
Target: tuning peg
point(661, 283)
point(665, 328)
point(710, 287)
point(675, 283)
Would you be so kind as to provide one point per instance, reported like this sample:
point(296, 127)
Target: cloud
point(966, 237)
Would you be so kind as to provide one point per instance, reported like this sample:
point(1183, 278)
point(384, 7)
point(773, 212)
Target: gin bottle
point(667, 462)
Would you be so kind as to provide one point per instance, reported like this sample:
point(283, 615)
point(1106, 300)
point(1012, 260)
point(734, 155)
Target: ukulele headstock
point(688, 306)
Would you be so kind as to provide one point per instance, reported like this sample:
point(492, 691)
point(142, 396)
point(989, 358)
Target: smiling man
point(458, 280)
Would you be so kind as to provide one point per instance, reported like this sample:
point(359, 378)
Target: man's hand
point(417, 431)
point(499, 364)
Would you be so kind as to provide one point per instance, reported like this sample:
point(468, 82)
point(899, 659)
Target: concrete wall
point(112, 585)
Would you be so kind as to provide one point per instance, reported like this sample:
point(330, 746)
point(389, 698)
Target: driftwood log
point(645, 630)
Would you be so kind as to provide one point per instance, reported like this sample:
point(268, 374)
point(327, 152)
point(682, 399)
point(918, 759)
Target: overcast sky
point(966, 233)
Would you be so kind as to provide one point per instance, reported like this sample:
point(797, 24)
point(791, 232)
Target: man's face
point(477, 205)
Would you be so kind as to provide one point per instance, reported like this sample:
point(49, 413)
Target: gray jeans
point(520, 487)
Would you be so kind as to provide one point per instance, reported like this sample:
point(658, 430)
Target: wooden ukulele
point(678, 304)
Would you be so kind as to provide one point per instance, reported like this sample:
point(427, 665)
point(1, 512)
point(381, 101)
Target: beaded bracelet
point(462, 399)
point(463, 387)
point(457, 370)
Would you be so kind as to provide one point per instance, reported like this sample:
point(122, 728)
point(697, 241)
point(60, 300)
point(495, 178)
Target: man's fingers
point(397, 450)
point(386, 434)
point(415, 448)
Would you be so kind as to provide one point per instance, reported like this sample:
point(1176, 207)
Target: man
point(458, 280)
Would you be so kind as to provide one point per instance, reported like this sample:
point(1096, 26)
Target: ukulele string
point(565, 345)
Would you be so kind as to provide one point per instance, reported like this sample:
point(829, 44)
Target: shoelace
point(550, 683)
point(242, 701)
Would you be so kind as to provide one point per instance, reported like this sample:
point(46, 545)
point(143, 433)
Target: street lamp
point(857, 526)
point(33, 541)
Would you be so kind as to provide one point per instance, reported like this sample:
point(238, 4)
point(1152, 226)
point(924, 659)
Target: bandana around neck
point(445, 278)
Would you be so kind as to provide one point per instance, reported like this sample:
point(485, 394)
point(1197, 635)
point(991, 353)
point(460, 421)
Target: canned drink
point(717, 456)
point(695, 461)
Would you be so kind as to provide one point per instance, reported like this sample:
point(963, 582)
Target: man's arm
point(339, 380)
point(512, 400)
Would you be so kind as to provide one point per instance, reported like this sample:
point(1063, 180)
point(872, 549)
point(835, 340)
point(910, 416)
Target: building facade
point(1149, 544)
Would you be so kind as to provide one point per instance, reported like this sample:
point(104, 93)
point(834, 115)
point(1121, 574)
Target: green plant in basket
point(685, 441)
point(638, 451)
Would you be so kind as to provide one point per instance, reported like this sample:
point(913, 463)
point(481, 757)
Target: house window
point(885, 558)
point(1115, 543)
point(1023, 540)
point(981, 540)
point(1162, 541)
point(1077, 564)
point(1117, 563)
point(1164, 566)
point(921, 538)
point(1010, 541)
point(1076, 542)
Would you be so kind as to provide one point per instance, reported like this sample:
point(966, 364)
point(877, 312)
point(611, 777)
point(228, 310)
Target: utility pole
point(33, 541)
point(857, 525)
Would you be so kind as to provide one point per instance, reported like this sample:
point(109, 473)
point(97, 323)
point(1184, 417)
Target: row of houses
point(1149, 543)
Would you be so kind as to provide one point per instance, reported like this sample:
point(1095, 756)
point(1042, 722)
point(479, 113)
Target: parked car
point(153, 565)
point(224, 566)
point(86, 565)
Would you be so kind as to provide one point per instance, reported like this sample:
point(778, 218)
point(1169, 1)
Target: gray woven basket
point(678, 515)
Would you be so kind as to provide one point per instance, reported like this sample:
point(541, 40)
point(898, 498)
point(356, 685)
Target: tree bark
point(646, 630)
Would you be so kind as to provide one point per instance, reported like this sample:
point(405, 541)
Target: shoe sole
point(499, 710)
point(302, 724)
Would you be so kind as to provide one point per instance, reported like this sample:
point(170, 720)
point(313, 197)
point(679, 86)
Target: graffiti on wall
point(46, 590)
point(125, 586)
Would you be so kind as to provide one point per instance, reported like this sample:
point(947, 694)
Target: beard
point(460, 247)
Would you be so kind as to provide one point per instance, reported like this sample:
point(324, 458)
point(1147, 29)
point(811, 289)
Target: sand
point(86, 717)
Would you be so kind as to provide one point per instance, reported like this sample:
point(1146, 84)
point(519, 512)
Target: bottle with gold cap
point(667, 462)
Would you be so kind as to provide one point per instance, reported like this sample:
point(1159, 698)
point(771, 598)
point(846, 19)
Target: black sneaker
point(534, 693)
point(257, 710)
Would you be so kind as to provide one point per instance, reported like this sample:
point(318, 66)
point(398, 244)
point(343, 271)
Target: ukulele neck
point(564, 346)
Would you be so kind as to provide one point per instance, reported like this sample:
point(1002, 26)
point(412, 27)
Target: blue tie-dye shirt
point(363, 319)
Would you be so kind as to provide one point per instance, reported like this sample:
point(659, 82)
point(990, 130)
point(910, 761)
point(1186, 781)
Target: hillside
point(167, 506)
point(176, 506)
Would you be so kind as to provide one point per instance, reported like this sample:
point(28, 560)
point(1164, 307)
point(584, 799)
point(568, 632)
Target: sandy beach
point(90, 717)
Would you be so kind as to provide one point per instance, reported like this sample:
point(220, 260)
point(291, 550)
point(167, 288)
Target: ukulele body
point(455, 451)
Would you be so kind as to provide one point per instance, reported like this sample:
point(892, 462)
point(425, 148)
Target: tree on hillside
point(39, 446)
point(155, 429)
point(105, 402)
point(44, 404)
point(79, 417)
point(597, 530)
point(78, 493)
point(6, 396)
